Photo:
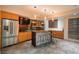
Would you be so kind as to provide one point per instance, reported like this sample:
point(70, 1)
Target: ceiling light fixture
point(74, 13)
point(45, 17)
point(35, 16)
point(52, 19)
point(35, 6)
point(45, 10)
point(52, 12)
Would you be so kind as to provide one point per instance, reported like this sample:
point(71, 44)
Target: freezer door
point(5, 28)
point(4, 42)
point(8, 41)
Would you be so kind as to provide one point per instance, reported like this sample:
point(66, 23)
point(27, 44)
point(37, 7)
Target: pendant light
point(35, 16)
point(52, 15)
point(45, 10)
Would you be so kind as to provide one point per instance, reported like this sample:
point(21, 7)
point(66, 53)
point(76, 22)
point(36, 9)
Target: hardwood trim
point(15, 44)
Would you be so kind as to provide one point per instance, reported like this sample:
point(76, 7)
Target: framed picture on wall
point(53, 23)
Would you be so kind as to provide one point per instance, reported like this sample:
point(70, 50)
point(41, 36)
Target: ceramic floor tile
point(59, 47)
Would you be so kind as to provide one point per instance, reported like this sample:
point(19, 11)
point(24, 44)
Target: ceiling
point(40, 10)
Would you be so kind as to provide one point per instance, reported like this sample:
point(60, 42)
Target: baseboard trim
point(73, 40)
point(16, 44)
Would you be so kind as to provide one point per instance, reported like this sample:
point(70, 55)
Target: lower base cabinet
point(24, 36)
point(58, 34)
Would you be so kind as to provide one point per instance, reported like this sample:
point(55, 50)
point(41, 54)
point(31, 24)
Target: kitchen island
point(41, 37)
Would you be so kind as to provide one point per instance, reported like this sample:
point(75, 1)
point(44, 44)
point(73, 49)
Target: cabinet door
point(0, 15)
point(25, 36)
point(58, 34)
point(22, 36)
point(29, 35)
point(0, 33)
point(9, 15)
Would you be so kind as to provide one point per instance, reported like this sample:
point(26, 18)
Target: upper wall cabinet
point(9, 15)
point(37, 24)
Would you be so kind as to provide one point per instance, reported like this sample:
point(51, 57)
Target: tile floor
point(60, 47)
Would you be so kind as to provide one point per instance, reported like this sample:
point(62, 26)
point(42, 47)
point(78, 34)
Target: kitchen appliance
point(24, 21)
point(24, 24)
point(10, 30)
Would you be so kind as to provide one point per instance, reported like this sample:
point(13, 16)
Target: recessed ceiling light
point(52, 12)
point(45, 10)
point(35, 6)
point(74, 13)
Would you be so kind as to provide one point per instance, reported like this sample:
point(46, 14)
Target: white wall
point(45, 24)
point(60, 23)
point(65, 28)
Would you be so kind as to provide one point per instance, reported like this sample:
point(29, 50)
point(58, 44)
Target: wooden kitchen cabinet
point(0, 15)
point(58, 34)
point(0, 34)
point(0, 29)
point(24, 36)
point(37, 24)
point(29, 35)
point(9, 15)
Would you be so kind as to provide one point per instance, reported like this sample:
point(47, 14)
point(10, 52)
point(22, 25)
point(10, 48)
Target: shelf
point(37, 24)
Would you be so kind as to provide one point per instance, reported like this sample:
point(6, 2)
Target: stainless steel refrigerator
point(10, 30)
